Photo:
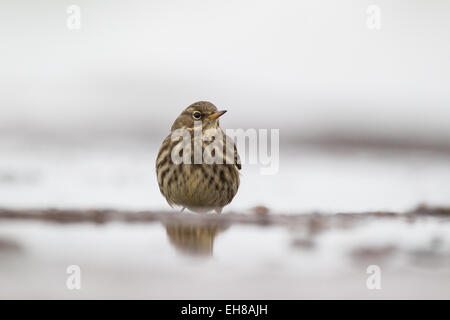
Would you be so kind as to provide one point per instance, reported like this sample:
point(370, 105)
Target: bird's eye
point(197, 115)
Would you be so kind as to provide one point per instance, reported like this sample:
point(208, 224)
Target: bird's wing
point(237, 159)
point(228, 142)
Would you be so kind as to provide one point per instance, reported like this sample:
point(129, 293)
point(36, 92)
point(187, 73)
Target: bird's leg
point(182, 209)
point(218, 210)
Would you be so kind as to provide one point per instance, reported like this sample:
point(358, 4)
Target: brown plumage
point(198, 187)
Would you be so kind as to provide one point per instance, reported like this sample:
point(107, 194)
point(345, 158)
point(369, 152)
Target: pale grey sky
point(306, 67)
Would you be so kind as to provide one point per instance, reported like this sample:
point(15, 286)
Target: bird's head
point(203, 111)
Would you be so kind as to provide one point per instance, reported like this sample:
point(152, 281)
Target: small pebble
point(260, 210)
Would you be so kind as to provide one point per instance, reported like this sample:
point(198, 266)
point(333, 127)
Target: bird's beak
point(217, 114)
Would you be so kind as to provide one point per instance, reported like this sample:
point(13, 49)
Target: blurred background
point(364, 120)
point(363, 114)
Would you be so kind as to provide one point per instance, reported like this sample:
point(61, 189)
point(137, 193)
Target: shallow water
point(185, 260)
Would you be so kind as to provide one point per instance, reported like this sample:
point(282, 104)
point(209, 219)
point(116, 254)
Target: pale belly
point(202, 187)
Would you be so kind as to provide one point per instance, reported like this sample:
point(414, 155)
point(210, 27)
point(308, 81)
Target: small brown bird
point(200, 187)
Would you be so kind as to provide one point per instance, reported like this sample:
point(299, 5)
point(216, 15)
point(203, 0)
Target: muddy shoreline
point(257, 216)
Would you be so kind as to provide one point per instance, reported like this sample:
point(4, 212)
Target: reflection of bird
point(193, 239)
point(199, 187)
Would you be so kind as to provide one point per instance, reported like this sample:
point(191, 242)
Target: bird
point(199, 187)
